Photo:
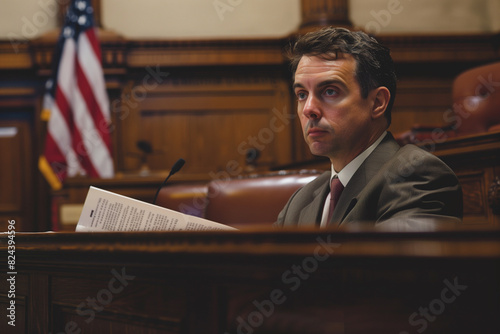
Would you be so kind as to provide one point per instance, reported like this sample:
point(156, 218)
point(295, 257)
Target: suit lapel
point(311, 213)
point(368, 169)
point(348, 198)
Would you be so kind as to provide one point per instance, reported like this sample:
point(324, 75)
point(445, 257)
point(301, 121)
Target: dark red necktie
point(336, 188)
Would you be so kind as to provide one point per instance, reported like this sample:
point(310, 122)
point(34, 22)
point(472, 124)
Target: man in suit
point(345, 85)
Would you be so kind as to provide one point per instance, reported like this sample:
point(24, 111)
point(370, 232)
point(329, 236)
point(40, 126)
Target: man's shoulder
point(415, 152)
point(417, 159)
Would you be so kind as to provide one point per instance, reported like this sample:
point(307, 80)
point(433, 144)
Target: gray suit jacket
point(394, 185)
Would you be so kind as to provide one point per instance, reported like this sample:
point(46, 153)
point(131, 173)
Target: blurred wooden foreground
point(255, 281)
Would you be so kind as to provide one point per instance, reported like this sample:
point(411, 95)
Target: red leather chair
point(253, 200)
point(246, 200)
point(188, 198)
point(475, 109)
point(476, 100)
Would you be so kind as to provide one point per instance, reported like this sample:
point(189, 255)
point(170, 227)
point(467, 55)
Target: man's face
point(335, 119)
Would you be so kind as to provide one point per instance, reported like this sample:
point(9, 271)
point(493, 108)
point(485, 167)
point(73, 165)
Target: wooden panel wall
point(211, 120)
point(14, 140)
point(20, 198)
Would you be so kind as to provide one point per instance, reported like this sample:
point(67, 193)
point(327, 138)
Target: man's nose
point(312, 108)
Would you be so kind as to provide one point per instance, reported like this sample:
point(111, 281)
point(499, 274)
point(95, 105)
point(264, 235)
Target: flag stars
point(81, 5)
point(82, 20)
point(68, 32)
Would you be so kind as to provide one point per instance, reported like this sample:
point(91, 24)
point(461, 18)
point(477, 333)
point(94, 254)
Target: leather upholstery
point(248, 200)
point(253, 200)
point(476, 99)
point(188, 198)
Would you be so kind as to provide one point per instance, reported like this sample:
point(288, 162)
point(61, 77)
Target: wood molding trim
point(443, 48)
point(206, 52)
point(15, 55)
point(119, 52)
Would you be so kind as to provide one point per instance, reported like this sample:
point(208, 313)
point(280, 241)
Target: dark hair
point(374, 65)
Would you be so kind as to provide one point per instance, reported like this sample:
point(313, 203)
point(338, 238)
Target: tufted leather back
point(476, 99)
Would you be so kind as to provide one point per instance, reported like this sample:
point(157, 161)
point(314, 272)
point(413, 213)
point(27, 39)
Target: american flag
point(76, 104)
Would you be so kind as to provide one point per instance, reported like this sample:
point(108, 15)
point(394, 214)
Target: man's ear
point(381, 97)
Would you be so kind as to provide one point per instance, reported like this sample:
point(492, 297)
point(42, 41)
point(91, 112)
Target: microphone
point(175, 168)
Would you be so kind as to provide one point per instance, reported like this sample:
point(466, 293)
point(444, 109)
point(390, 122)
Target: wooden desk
point(476, 161)
point(262, 281)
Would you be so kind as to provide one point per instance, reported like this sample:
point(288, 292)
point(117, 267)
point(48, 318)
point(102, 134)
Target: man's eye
point(330, 92)
point(301, 95)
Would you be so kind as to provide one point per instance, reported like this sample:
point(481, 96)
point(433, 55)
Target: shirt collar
point(348, 171)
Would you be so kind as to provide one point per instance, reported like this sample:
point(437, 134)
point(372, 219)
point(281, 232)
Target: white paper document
point(106, 211)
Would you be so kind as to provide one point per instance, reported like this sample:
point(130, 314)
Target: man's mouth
point(314, 132)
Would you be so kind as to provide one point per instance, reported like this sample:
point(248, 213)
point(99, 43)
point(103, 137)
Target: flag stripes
point(78, 141)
